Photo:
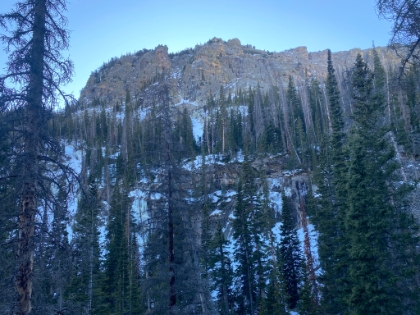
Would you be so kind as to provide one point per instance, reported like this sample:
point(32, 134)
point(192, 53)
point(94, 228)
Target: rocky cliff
point(198, 73)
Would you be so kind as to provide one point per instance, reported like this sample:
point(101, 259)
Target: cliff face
point(198, 73)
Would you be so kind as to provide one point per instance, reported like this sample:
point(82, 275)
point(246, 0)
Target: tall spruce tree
point(296, 129)
point(290, 254)
point(379, 230)
point(330, 212)
point(221, 271)
point(275, 301)
point(250, 233)
point(116, 256)
point(244, 273)
point(84, 290)
point(307, 304)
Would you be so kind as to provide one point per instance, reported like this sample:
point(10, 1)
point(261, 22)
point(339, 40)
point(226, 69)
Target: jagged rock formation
point(198, 73)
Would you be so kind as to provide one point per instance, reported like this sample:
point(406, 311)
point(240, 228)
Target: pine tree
point(8, 212)
point(337, 126)
point(84, 290)
point(412, 90)
point(116, 251)
point(53, 259)
point(172, 259)
point(250, 231)
point(290, 254)
point(330, 213)
point(296, 121)
point(319, 116)
point(307, 304)
point(244, 273)
point(379, 231)
point(224, 118)
point(274, 303)
point(221, 271)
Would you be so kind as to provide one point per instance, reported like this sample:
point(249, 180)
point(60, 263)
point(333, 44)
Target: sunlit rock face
point(197, 73)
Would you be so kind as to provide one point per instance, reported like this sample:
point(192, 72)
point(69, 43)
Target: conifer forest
point(179, 190)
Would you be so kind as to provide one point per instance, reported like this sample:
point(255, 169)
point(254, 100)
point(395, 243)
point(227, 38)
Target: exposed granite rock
point(198, 73)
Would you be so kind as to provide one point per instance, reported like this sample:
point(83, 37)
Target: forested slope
point(291, 190)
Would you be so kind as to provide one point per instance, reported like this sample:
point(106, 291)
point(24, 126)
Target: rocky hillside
point(198, 73)
point(225, 150)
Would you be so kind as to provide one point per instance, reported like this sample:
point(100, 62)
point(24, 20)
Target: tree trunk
point(25, 252)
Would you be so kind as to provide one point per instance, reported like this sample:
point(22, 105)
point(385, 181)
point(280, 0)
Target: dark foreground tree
point(381, 234)
point(35, 36)
point(406, 27)
point(329, 214)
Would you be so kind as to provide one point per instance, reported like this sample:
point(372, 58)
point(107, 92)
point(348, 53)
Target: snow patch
point(274, 183)
point(216, 212)
point(230, 193)
point(277, 232)
point(155, 196)
point(139, 205)
point(184, 101)
point(292, 172)
point(74, 158)
point(198, 162)
point(102, 240)
point(198, 128)
point(214, 198)
point(276, 201)
point(141, 113)
point(139, 211)
point(243, 110)
point(239, 157)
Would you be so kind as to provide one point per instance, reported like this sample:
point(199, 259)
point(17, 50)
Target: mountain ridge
point(199, 72)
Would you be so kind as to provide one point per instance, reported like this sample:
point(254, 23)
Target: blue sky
point(102, 29)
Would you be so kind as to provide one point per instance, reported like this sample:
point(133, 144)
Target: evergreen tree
point(275, 302)
point(337, 126)
point(8, 212)
point(376, 226)
point(174, 281)
point(52, 259)
point(306, 304)
point(296, 127)
point(319, 116)
point(221, 271)
point(121, 283)
point(224, 118)
point(330, 213)
point(412, 90)
point(84, 290)
point(290, 254)
point(249, 233)
point(116, 251)
point(244, 273)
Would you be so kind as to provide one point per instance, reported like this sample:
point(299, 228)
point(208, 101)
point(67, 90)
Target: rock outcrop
point(198, 73)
